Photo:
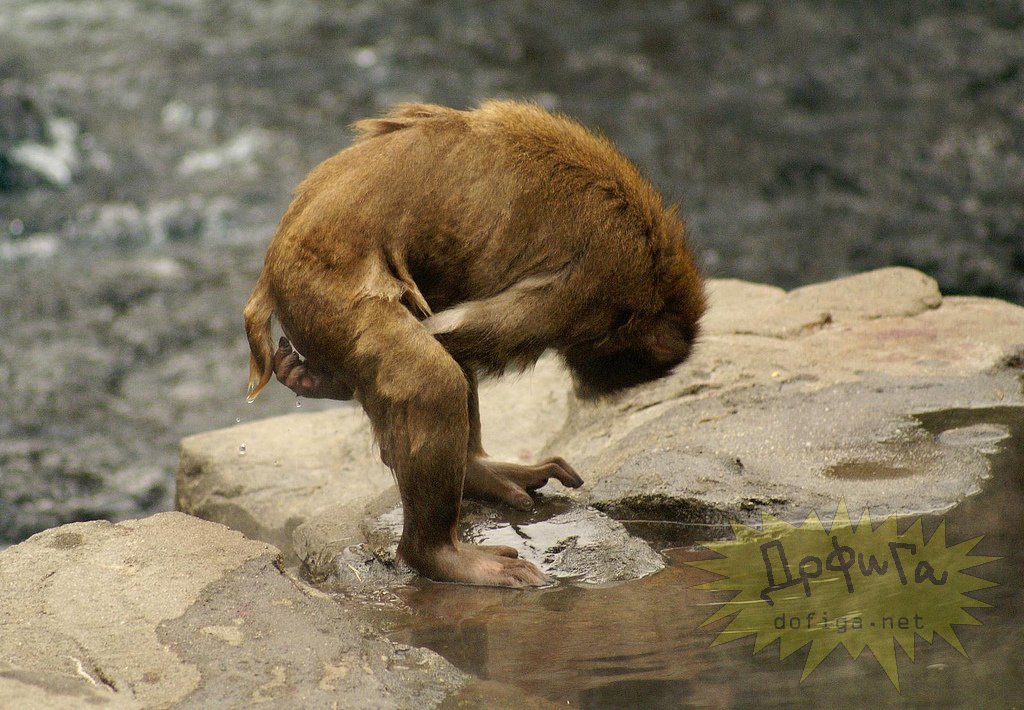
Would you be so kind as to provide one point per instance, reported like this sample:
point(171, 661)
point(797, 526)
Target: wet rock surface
point(790, 402)
point(795, 399)
point(568, 542)
point(147, 150)
point(791, 451)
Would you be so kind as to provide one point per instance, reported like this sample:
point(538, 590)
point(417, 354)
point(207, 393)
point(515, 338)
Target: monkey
point(445, 245)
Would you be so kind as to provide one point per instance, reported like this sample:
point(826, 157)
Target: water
point(638, 644)
point(867, 471)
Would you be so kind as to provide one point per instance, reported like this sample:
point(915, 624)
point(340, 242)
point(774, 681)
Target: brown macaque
point(442, 245)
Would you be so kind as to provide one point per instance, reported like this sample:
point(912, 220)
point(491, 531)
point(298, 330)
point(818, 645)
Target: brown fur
point(444, 243)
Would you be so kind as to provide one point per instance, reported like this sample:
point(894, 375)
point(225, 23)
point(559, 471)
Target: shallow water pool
point(639, 644)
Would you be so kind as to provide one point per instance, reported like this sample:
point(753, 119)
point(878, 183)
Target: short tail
point(258, 312)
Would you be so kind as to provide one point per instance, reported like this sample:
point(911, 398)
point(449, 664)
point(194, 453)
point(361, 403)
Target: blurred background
point(148, 148)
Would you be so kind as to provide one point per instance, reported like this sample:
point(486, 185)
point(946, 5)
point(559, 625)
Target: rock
point(152, 613)
point(566, 541)
point(790, 402)
point(793, 400)
point(330, 544)
point(794, 451)
point(22, 688)
point(22, 122)
point(756, 309)
point(268, 477)
point(56, 161)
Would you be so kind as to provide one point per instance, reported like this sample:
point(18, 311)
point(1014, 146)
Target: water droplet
point(241, 450)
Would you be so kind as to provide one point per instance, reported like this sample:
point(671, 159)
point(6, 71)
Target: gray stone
point(790, 402)
point(266, 478)
point(172, 611)
point(757, 309)
point(793, 450)
point(332, 533)
point(29, 689)
point(780, 410)
point(567, 541)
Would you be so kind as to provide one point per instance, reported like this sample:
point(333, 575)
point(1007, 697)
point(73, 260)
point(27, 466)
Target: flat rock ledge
point(791, 402)
point(854, 389)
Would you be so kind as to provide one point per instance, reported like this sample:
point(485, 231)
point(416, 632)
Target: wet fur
point(446, 243)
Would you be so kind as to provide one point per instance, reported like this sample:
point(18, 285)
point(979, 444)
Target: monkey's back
point(473, 201)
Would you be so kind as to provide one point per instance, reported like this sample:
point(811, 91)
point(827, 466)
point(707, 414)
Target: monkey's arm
point(511, 328)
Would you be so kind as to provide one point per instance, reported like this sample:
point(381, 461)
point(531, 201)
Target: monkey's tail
point(258, 312)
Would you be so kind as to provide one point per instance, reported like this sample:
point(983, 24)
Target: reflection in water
point(638, 644)
point(569, 641)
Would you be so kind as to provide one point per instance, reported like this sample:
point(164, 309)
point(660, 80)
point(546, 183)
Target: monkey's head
point(647, 333)
point(640, 350)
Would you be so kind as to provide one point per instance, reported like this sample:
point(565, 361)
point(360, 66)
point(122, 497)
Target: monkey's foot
point(512, 483)
point(487, 565)
point(303, 379)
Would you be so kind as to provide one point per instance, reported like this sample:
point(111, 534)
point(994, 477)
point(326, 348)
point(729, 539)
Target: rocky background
point(147, 149)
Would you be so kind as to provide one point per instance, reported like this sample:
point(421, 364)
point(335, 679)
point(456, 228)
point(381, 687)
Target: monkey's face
point(605, 375)
point(601, 372)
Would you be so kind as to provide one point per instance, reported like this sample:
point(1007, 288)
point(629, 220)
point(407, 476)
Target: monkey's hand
point(302, 378)
point(511, 483)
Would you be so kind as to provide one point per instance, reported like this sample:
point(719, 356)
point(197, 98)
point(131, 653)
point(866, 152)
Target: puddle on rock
point(566, 541)
point(866, 471)
point(984, 437)
point(638, 644)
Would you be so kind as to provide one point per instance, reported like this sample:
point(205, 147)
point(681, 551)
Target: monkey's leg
point(475, 446)
point(506, 482)
point(416, 395)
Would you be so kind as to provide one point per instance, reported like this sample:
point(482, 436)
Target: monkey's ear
point(401, 116)
point(373, 127)
point(411, 109)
